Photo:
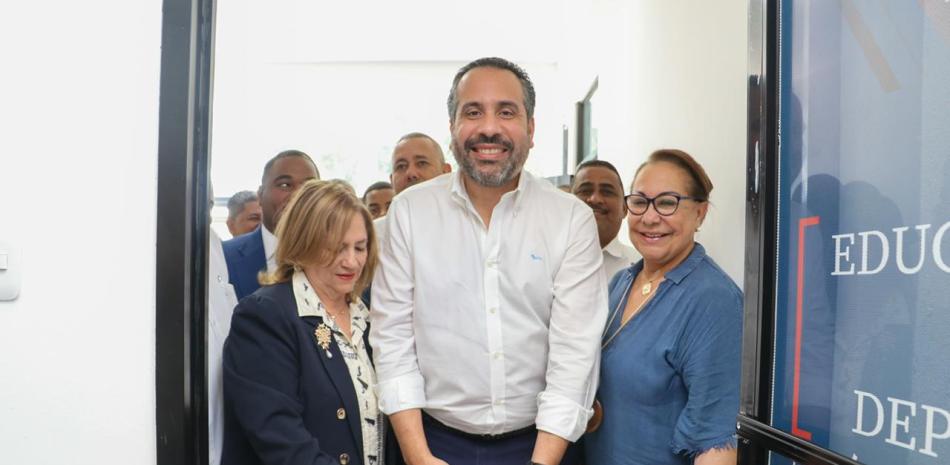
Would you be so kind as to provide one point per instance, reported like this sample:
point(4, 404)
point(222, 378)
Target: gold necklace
point(648, 287)
point(645, 290)
point(624, 321)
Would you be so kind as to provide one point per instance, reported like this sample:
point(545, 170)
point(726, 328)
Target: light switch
point(9, 272)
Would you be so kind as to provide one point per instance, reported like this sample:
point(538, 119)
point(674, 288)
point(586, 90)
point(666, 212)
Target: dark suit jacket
point(245, 258)
point(283, 397)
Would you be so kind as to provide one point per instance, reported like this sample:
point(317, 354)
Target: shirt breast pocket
point(531, 279)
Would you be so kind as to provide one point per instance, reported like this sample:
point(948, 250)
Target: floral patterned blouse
point(357, 362)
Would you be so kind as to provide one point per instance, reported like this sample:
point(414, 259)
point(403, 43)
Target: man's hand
point(407, 425)
point(432, 460)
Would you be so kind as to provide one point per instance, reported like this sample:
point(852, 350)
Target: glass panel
point(863, 320)
point(778, 459)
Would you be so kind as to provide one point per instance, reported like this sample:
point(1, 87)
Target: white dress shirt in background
point(270, 248)
point(221, 302)
point(379, 227)
point(490, 330)
point(617, 257)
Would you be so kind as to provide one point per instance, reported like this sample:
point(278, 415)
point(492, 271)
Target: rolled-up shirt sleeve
point(709, 359)
point(578, 315)
point(400, 385)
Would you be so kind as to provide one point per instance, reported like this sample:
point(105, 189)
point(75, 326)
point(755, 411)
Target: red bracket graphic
point(802, 224)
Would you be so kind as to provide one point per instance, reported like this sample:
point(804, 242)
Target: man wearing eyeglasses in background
point(598, 184)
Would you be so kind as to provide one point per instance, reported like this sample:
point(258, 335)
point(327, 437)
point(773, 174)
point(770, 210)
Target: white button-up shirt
point(490, 330)
point(618, 257)
point(221, 303)
point(270, 248)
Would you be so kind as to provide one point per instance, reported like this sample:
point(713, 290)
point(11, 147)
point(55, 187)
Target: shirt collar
point(309, 304)
point(692, 261)
point(615, 248)
point(270, 242)
point(459, 194)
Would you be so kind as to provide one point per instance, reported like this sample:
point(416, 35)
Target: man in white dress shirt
point(490, 299)
point(598, 184)
point(221, 303)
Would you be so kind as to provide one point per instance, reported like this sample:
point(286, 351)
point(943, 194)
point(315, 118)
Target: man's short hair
point(602, 164)
point(527, 88)
point(237, 202)
point(286, 154)
point(379, 185)
point(420, 135)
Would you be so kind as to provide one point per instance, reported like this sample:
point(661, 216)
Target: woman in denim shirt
point(669, 385)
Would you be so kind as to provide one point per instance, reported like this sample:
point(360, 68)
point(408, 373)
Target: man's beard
point(508, 168)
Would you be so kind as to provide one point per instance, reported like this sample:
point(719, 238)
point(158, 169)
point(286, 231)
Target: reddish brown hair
point(700, 185)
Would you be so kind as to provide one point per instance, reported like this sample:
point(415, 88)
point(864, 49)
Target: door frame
point(187, 64)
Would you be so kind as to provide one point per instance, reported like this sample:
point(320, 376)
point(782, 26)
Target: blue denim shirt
point(669, 381)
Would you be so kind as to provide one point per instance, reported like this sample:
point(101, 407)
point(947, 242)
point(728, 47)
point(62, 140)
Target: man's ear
point(531, 132)
point(446, 168)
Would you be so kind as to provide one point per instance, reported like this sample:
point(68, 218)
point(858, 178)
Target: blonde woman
point(297, 372)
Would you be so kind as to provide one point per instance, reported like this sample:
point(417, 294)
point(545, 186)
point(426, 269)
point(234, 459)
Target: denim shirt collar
point(682, 270)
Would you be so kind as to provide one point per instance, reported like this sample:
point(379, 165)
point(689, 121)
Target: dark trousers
point(457, 449)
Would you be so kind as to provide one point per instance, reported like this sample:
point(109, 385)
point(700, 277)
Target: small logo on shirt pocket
point(535, 257)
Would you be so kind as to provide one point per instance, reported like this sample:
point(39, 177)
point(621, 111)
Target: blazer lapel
point(339, 375)
point(253, 260)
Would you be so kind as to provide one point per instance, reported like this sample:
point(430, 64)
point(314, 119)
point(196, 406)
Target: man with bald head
point(416, 158)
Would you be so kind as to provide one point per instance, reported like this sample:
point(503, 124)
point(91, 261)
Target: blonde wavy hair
point(311, 230)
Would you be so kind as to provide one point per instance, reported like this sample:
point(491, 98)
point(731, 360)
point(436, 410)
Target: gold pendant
point(323, 334)
point(646, 288)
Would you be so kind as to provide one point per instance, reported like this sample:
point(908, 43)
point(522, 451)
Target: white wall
point(78, 154)
point(343, 85)
point(677, 79)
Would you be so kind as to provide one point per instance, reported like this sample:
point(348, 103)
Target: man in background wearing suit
point(252, 253)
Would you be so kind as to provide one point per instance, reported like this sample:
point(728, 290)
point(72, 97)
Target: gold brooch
point(323, 335)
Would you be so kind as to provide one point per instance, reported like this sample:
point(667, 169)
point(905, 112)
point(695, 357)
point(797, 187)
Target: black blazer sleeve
point(261, 386)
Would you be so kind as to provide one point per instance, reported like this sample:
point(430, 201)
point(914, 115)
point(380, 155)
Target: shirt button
point(496, 355)
point(344, 458)
point(492, 263)
point(493, 310)
point(340, 414)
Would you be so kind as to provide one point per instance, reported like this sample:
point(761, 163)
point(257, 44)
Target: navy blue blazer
point(285, 401)
point(245, 257)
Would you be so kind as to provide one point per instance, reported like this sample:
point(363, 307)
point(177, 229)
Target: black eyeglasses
point(665, 204)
